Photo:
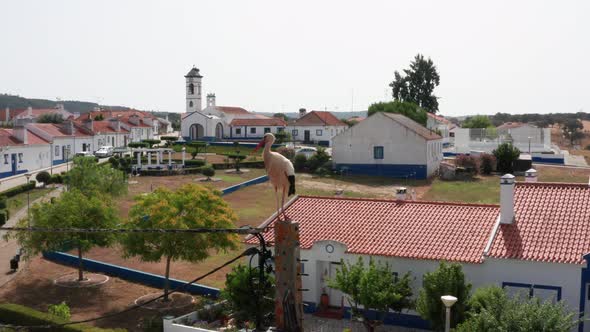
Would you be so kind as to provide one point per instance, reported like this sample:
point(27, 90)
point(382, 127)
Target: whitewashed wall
point(33, 157)
point(328, 132)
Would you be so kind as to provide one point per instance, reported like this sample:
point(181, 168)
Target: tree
point(300, 162)
point(448, 279)
point(208, 171)
point(50, 118)
point(246, 296)
point(490, 309)
point(191, 206)
point(417, 85)
point(288, 153)
point(152, 142)
point(374, 287)
point(281, 115)
point(138, 145)
point(506, 154)
point(169, 139)
point(487, 163)
point(91, 178)
point(43, 177)
point(477, 121)
point(570, 129)
point(407, 109)
point(236, 158)
point(196, 146)
point(72, 210)
point(99, 117)
point(283, 137)
point(318, 159)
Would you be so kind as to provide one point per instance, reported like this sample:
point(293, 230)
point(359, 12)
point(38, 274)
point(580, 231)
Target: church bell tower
point(193, 90)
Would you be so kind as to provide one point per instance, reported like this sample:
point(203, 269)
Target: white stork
point(280, 172)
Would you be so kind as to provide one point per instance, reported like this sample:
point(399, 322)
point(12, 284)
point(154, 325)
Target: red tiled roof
point(438, 118)
point(258, 122)
point(413, 126)
point(318, 118)
point(7, 138)
point(552, 224)
point(57, 130)
point(232, 110)
point(104, 127)
point(409, 229)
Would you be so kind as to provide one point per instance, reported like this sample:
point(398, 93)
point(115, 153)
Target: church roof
point(194, 73)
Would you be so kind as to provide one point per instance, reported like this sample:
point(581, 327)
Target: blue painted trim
point(10, 173)
point(257, 180)
point(560, 161)
point(58, 162)
point(449, 154)
point(145, 278)
point(391, 170)
point(584, 280)
point(532, 287)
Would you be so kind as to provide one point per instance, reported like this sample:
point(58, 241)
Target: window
point(191, 90)
point(252, 130)
point(238, 131)
point(20, 158)
point(56, 151)
point(280, 130)
point(190, 103)
point(6, 159)
point(378, 152)
point(452, 134)
point(332, 132)
point(266, 130)
point(295, 132)
point(318, 132)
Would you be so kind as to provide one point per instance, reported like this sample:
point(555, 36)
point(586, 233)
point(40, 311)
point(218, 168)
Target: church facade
point(216, 123)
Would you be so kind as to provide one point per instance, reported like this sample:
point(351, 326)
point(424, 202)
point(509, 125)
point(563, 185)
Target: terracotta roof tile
point(410, 229)
point(413, 126)
point(258, 122)
point(552, 224)
point(232, 110)
point(57, 130)
point(7, 138)
point(318, 118)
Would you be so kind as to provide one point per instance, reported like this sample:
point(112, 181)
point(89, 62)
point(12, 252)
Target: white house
point(388, 144)
point(442, 126)
point(535, 241)
point(316, 127)
point(22, 151)
point(11, 115)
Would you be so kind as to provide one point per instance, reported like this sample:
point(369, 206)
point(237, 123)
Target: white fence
point(526, 139)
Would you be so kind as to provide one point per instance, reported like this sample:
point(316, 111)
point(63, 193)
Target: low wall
point(260, 179)
point(548, 158)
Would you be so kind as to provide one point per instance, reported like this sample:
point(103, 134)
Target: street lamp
point(448, 301)
point(28, 176)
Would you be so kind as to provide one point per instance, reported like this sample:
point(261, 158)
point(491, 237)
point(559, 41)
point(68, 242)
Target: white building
point(442, 126)
point(316, 127)
point(535, 241)
point(141, 125)
point(22, 151)
point(11, 115)
point(388, 144)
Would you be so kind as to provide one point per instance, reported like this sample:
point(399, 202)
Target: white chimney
point(401, 193)
point(20, 132)
point(530, 175)
point(302, 112)
point(60, 107)
point(7, 110)
point(115, 124)
point(211, 100)
point(507, 199)
point(29, 111)
point(89, 124)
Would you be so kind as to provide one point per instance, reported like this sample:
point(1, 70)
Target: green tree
point(50, 118)
point(169, 139)
point(407, 109)
point(246, 296)
point(448, 279)
point(72, 210)
point(571, 129)
point(99, 117)
point(417, 84)
point(61, 310)
point(208, 171)
point(300, 162)
point(318, 159)
point(196, 147)
point(374, 287)
point(477, 121)
point(138, 145)
point(92, 178)
point(43, 177)
point(281, 115)
point(191, 206)
point(491, 310)
point(236, 158)
point(283, 137)
point(152, 142)
point(506, 154)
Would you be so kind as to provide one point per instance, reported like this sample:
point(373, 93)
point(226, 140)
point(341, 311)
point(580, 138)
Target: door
point(13, 162)
point(334, 294)
point(306, 137)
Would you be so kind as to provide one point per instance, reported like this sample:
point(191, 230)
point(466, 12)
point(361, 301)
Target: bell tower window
point(191, 89)
point(190, 103)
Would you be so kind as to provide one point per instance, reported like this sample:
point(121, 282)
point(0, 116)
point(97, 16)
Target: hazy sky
point(272, 56)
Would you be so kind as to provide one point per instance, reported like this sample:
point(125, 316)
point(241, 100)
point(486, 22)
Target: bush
point(19, 189)
point(318, 159)
point(448, 279)
point(21, 315)
point(57, 178)
point(43, 177)
point(61, 310)
point(3, 217)
point(208, 171)
point(300, 162)
point(151, 142)
point(470, 163)
point(588, 147)
point(194, 163)
point(283, 137)
point(487, 163)
point(138, 145)
point(506, 154)
point(237, 159)
point(3, 202)
point(288, 153)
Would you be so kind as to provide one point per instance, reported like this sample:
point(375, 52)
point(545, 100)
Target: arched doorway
point(196, 131)
point(219, 131)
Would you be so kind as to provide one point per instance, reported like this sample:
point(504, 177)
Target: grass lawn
point(19, 201)
point(235, 178)
point(322, 192)
point(481, 190)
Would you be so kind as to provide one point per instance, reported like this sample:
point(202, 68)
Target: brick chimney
point(401, 193)
point(507, 199)
point(530, 175)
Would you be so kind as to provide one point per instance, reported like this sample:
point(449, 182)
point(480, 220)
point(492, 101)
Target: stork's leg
point(278, 206)
point(283, 203)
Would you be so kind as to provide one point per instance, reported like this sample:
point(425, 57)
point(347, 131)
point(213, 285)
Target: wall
point(328, 132)
point(245, 131)
point(33, 157)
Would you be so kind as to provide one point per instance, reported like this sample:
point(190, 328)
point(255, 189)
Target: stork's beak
point(261, 144)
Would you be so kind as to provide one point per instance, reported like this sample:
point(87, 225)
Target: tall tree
point(374, 287)
point(72, 210)
point(191, 206)
point(571, 129)
point(506, 154)
point(417, 84)
point(477, 121)
point(92, 178)
point(407, 109)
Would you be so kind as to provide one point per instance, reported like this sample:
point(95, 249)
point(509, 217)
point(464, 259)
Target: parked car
point(84, 154)
point(104, 151)
point(308, 151)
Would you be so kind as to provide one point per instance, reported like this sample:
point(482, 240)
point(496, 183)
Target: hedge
point(57, 178)
point(243, 164)
point(3, 202)
point(21, 315)
point(193, 162)
point(3, 217)
point(19, 189)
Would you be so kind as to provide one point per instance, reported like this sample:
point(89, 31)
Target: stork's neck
point(266, 152)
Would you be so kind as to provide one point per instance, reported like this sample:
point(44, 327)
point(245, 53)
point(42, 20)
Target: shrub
point(194, 163)
point(19, 189)
point(208, 171)
point(114, 161)
point(138, 145)
point(470, 163)
point(448, 279)
point(300, 162)
point(169, 139)
point(3, 202)
point(282, 137)
point(588, 147)
point(3, 217)
point(487, 163)
point(237, 158)
point(318, 159)
point(43, 177)
point(61, 310)
point(151, 142)
point(506, 154)
point(288, 153)
point(57, 178)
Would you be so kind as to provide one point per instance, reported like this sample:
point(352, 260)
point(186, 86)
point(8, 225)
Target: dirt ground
point(34, 287)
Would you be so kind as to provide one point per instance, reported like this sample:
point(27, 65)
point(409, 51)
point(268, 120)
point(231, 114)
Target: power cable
point(243, 230)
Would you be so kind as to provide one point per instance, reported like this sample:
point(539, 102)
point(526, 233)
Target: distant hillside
point(12, 101)
point(339, 115)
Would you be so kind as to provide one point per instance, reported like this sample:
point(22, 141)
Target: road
point(8, 248)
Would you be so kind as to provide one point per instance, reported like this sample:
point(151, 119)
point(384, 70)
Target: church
point(217, 123)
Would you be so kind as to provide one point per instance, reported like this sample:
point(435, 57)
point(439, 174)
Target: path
point(8, 248)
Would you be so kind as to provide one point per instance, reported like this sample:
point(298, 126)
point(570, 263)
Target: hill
point(13, 101)
point(339, 115)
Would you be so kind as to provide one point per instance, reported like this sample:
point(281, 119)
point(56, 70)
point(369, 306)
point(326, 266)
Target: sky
point(279, 56)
